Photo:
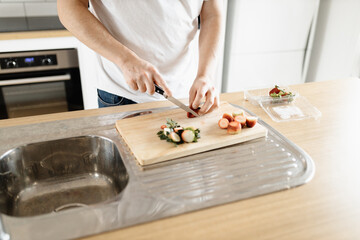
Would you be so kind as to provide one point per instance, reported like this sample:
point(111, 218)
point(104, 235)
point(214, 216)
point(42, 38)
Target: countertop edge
point(34, 34)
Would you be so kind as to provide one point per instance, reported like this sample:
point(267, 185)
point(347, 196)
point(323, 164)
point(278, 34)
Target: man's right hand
point(141, 75)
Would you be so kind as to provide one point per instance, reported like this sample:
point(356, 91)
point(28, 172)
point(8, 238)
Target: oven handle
point(65, 77)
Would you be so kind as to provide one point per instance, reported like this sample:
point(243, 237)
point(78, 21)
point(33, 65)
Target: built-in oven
point(39, 82)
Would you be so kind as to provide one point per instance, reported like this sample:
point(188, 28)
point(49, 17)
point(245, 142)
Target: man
point(142, 42)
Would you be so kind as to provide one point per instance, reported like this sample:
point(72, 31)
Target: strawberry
point(174, 137)
point(238, 113)
point(234, 128)
point(188, 136)
point(228, 117)
point(241, 120)
point(251, 121)
point(190, 115)
point(177, 129)
point(223, 123)
point(275, 90)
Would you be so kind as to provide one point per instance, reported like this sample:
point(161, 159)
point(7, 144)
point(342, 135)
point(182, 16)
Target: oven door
point(40, 93)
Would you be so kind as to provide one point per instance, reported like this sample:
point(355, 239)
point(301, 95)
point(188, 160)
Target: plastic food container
point(282, 109)
point(255, 96)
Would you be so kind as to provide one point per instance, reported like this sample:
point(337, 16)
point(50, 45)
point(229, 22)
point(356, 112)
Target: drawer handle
point(9, 82)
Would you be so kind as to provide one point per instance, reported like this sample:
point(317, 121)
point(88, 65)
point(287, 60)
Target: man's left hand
point(203, 88)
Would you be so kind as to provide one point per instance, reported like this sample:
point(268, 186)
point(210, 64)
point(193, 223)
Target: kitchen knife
point(159, 90)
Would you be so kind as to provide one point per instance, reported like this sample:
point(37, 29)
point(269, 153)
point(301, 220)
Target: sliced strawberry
point(167, 131)
point(241, 120)
point(174, 137)
point(251, 121)
point(228, 117)
point(234, 128)
point(275, 90)
point(178, 129)
point(190, 115)
point(188, 136)
point(238, 113)
point(223, 123)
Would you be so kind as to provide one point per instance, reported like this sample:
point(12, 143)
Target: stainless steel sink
point(57, 175)
point(71, 178)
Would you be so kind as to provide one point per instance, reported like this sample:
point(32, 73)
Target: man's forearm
point(75, 16)
point(210, 32)
point(138, 73)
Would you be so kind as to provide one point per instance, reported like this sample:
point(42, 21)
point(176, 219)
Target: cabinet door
point(271, 25)
point(248, 71)
point(268, 41)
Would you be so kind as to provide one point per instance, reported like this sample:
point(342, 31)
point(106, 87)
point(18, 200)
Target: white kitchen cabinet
point(257, 70)
point(336, 53)
point(274, 25)
point(267, 42)
point(356, 65)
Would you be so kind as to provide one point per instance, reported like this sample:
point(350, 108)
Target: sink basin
point(56, 175)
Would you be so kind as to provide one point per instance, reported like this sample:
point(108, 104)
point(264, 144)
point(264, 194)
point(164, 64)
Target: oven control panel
point(28, 61)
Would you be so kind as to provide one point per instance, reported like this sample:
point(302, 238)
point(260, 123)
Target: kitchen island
point(324, 208)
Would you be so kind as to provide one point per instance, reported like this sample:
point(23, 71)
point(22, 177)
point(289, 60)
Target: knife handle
point(159, 90)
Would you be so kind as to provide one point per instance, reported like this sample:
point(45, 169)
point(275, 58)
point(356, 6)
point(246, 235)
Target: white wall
point(334, 49)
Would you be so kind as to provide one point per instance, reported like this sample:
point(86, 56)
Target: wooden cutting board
point(140, 134)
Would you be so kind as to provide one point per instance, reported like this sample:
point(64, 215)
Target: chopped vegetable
point(163, 126)
point(171, 124)
point(173, 131)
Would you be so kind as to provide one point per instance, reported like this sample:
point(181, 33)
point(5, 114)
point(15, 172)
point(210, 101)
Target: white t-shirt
point(162, 32)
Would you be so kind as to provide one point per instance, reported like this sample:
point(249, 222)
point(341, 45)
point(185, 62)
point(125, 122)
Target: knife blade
point(159, 90)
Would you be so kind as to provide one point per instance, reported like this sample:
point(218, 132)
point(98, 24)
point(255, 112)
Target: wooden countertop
point(325, 208)
point(34, 34)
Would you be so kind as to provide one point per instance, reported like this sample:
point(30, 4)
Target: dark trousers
point(106, 99)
